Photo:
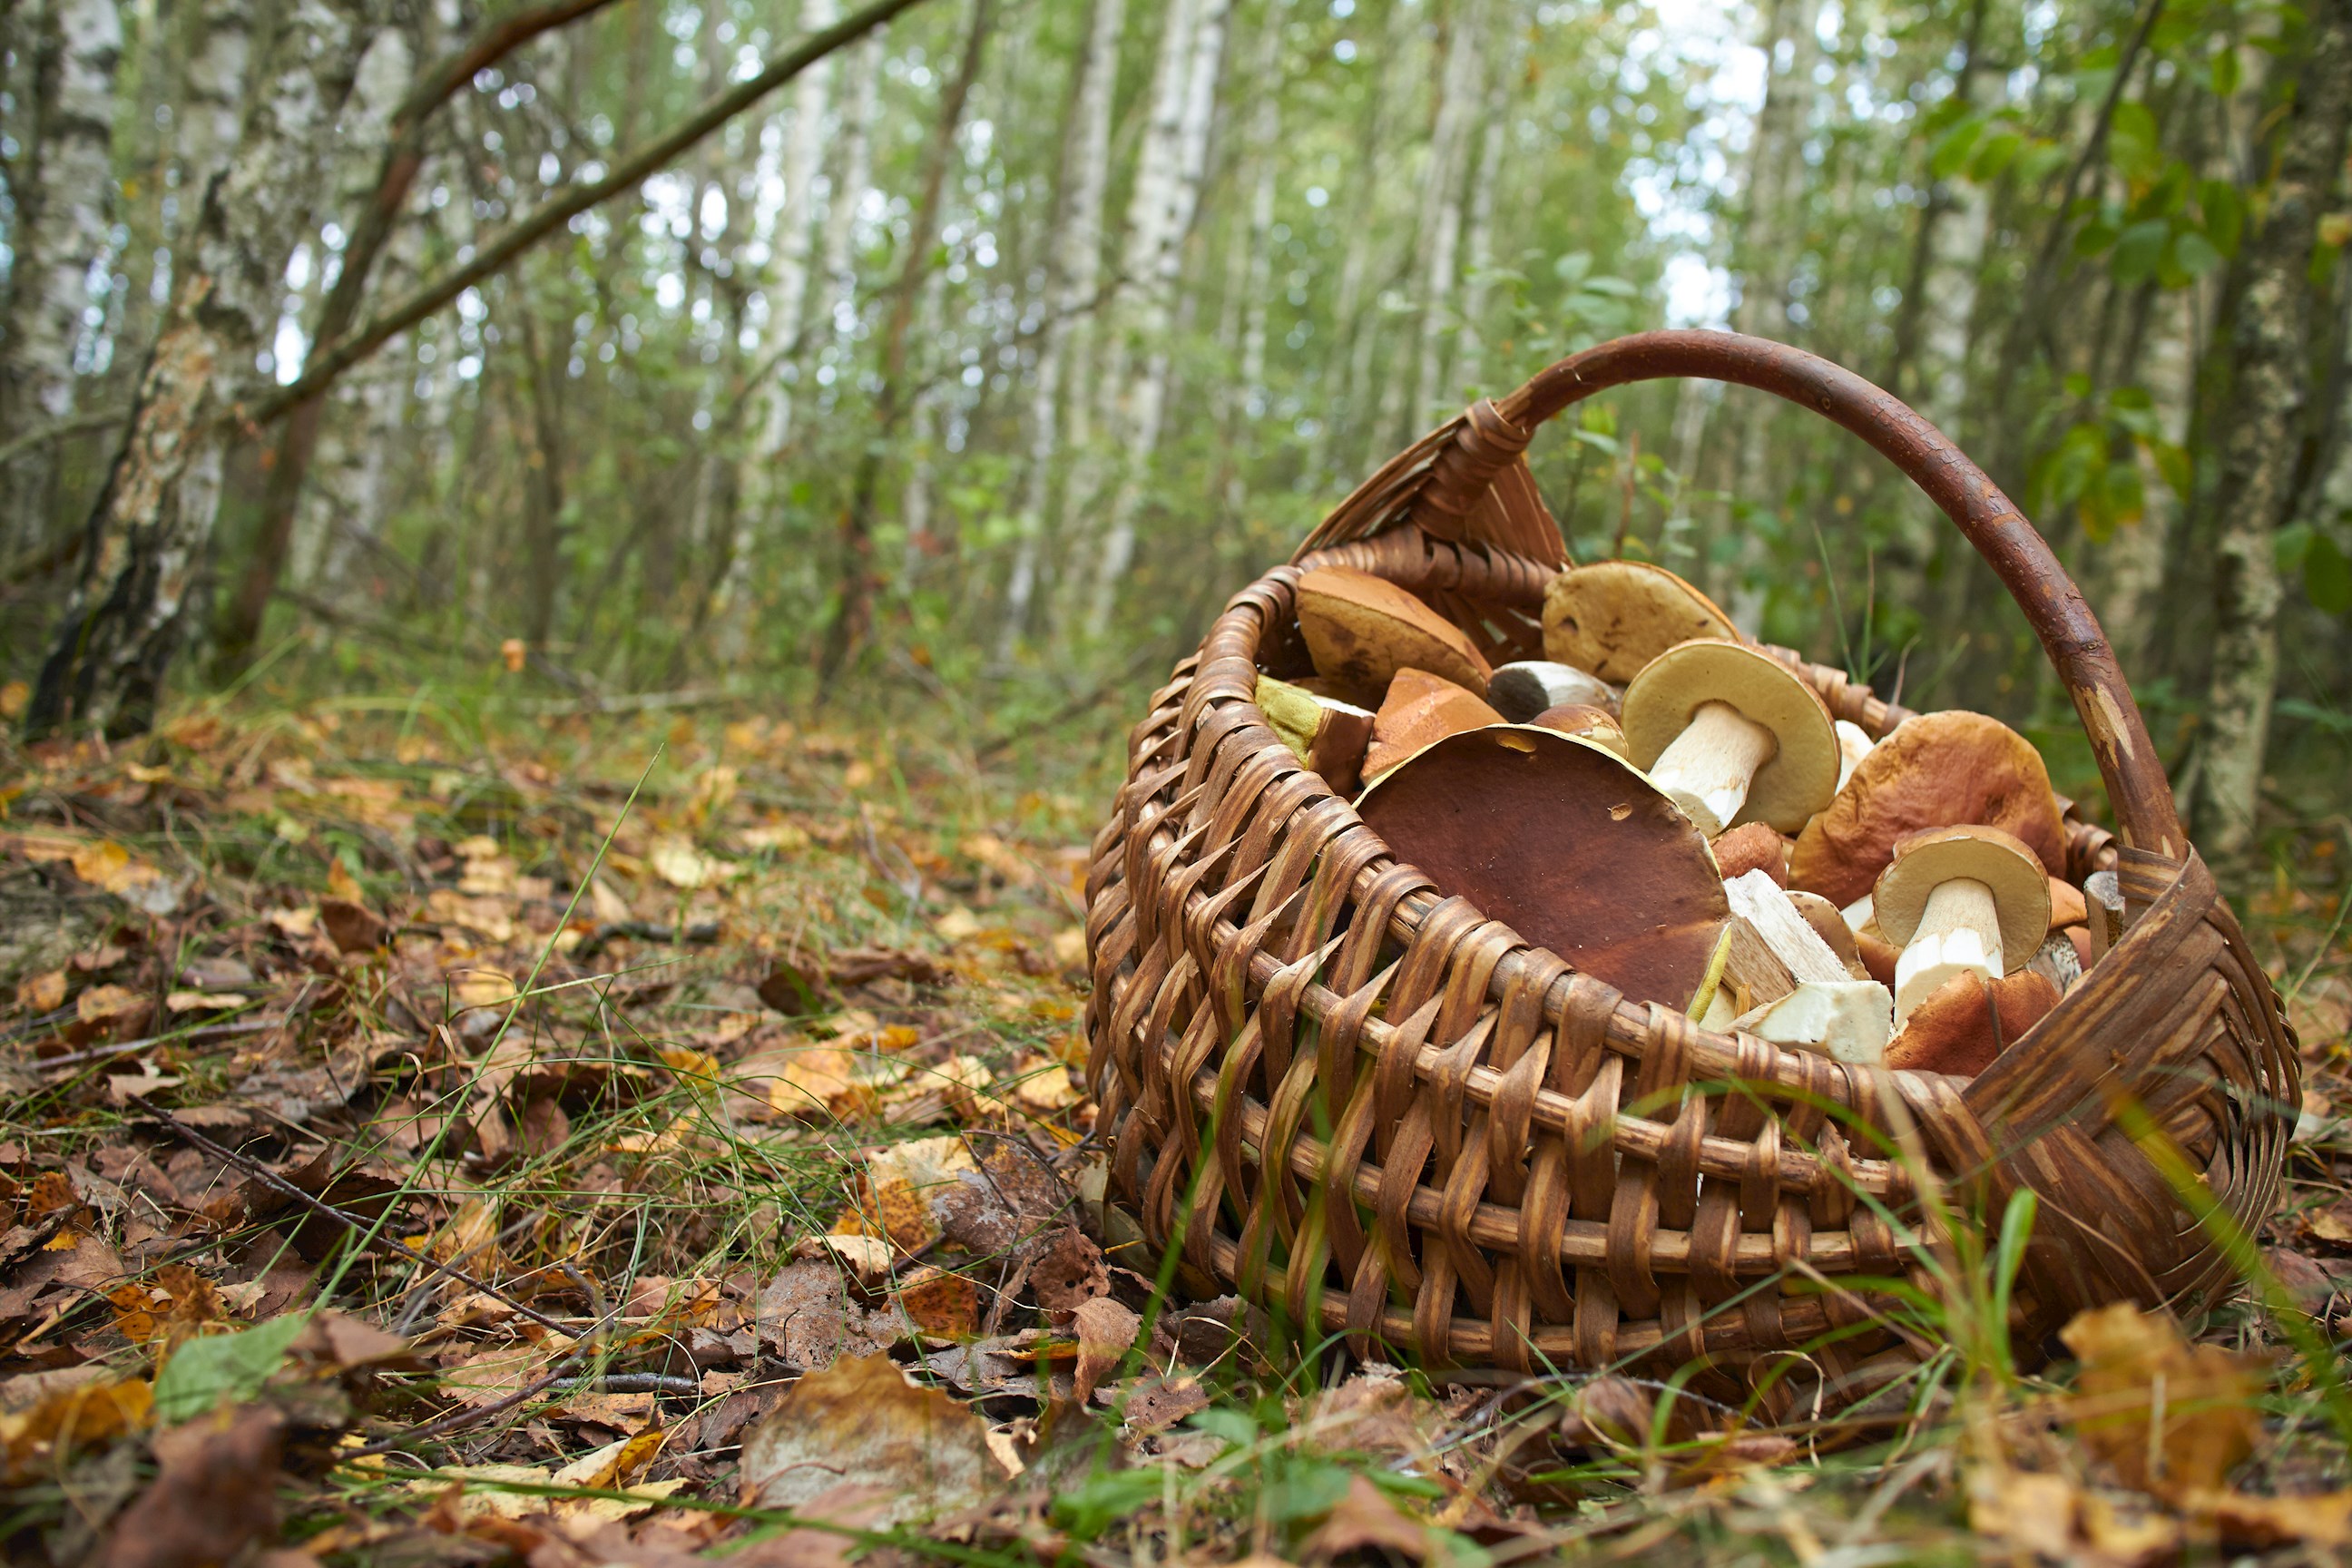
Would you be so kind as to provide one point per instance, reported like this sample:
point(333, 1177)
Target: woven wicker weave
point(1482, 1157)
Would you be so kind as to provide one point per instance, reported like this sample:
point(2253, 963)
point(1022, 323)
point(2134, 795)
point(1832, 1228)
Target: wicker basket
point(1484, 1158)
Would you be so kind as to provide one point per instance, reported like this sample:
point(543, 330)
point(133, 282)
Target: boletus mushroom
point(1571, 847)
point(1732, 736)
point(1521, 690)
point(1326, 734)
point(1586, 723)
point(1421, 708)
point(1361, 629)
point(1935, 770)
point(1611, 617)
point(1959, 900)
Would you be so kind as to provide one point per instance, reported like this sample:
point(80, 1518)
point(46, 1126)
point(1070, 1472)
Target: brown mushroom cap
point(1953, 1031)
point(1419, 708)
point(1586, 723)
point(1611, 617)
point(1361, 629)
point(1753, 846)
point(1800, 777)
point(2020, 892)
point(1935, 770)
point(1568, 846)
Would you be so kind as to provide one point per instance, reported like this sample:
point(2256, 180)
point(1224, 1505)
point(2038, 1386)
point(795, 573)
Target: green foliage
point(209, 1369)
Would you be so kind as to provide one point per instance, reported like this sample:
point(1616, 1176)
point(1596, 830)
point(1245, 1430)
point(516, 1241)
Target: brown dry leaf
point(42, 993)
point(2333, 1223)
point(943, 1302)
point(1106, 1331)
point(1366, 1518)
point(350, 925)
point(861, 1423)
point(2030, 1511)
point(1069, 1272)
point(215, 1493)
point(2171, 1418)
point(2324, 1519)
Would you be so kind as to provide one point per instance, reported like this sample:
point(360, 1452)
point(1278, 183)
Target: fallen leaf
point(861, 1423)
point(215, 1491)
point(1044, 1086)
point(101, 1003)
point(943, 1302)
point(858, 966)
point(77, 1419)
point(677, 861)
point(204, 1001)
point(2033, 1511)
point(1070, 1272)
point(2324, 1519)
point(1365, 1518)
point(42, 993)
point(1106, 1331)
point(2171, 1418)
point(350, 925)
point(904, 1179)
point(799, 1080)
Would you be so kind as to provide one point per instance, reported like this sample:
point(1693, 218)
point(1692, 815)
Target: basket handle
point(2053, 606)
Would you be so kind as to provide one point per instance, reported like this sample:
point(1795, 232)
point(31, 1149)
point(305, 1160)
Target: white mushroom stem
point(1853, 744)
point(1707, 769)
point(1960, 933)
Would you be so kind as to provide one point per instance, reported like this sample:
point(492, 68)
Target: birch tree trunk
point(209, 108)
point(1440, 207)
point(2263, 444)
point(64, 187)
point(152, 522)
point(758, 481)
point(850, 184)
point(1074, 275)
point(1166, 199)
point(1470, 338)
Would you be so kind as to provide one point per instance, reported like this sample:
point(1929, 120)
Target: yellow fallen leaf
point(956, 925)
point(13, 697)
point(100, 1003)
point(295, 924)
point(2171, 1418)
point(204, 1001)
point(342, 884)
point(677, 861)
point(1044, 1086)
point(610, 906)
point(482, 987)
point(783, 837)
point(799, 1080)
point(1070, 947)
point(2321, 1519)
point(902, 1180)
point(42, 993)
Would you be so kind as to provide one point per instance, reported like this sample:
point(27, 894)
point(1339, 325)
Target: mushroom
point(1569, 846)
point(1750, 847)
point(1611, 617)
point(1965, 1024)
point(1853, 744)
point(1522, 690)
point(1361, 629)
point(1774, 949)
point(1830, 926)
point(1585, 722)
point(1959, 900)
point(1326, 734)
point(1935, 770)
point(1845, 1020)
point(1421, 708)
point(1732, 736)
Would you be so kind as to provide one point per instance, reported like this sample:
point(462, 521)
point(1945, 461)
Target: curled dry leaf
point(70, 1420)
point(215, 1491)
point(1106, 1331)
point(861, 1423)
point(1365, 1519)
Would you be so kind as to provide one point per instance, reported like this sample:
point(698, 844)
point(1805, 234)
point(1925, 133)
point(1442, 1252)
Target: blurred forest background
point(974, 365)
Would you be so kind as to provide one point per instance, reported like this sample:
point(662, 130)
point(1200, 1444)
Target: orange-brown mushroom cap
point(1567, 845)
point(1361, 629)
point(1935, 771)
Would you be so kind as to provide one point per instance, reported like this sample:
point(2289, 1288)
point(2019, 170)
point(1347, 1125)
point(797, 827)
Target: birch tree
point(1160, 218)
point(1074, 277)
point(153, 522)
point(63, 186)
point(1459, 94)
point(2261, 447)
point(787, 292)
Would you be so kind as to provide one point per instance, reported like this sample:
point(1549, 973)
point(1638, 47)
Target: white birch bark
point(759, 493)
point(64, 187)
point(210, 107)
point(1160, 219)
point(120, 628)
point(1441, 208)
point(1478, 244)
point(849, 185)
point(1074, 275)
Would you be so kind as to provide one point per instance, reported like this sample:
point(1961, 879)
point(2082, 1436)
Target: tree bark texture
point(63, 184)
point(2262, 445)
point(1074, 263)
point(149, 531)
point(1160, 219)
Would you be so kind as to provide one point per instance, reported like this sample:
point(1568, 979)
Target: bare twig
point(286, 1189)
point(492, 257)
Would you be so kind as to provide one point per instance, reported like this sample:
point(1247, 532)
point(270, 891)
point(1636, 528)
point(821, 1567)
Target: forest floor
point(461, 1130)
